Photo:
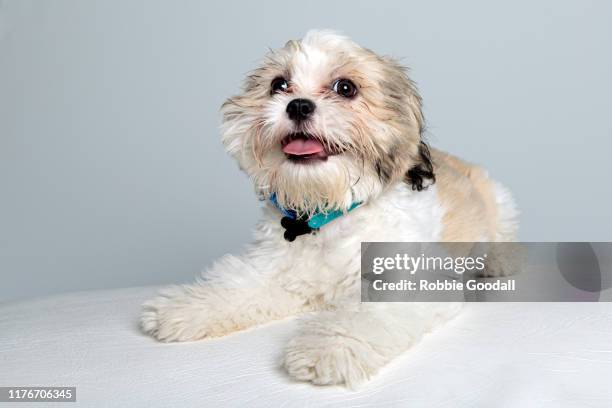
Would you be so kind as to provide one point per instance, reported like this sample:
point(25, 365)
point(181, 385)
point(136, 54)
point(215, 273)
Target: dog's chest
point(331, 256)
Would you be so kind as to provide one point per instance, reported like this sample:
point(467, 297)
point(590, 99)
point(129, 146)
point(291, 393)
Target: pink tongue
point(303, 147)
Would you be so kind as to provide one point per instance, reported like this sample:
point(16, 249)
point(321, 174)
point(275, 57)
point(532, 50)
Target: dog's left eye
point(345, 87)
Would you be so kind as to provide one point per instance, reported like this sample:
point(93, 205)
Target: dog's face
point(324, 123)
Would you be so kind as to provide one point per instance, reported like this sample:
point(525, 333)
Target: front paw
point(328, 360)
point(178, 316)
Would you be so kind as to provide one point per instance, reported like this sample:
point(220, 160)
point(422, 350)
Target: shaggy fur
point(379, 159)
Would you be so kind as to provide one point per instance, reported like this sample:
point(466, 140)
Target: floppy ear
point(421, 175)
point(405, 99)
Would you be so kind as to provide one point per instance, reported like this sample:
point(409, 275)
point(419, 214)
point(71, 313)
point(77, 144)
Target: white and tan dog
point(321, 127)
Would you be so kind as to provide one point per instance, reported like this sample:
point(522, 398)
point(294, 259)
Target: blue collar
point(318, 219)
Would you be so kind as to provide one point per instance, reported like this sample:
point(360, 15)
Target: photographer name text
point(425, 285)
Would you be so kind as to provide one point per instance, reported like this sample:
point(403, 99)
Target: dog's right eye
point(279, 85)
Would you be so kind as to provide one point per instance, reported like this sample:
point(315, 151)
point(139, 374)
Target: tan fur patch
point(468, 196)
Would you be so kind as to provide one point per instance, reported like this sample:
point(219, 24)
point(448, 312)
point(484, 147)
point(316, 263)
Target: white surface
point(509, 355)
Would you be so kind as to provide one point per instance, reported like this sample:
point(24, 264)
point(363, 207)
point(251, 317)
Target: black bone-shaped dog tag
point(294, 228)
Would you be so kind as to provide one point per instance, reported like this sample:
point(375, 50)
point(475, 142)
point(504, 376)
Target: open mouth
point(301, 147)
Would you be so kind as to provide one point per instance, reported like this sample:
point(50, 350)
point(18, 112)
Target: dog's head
point(324, 123)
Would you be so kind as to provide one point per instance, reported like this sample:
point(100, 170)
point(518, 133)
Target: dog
point(331, 134)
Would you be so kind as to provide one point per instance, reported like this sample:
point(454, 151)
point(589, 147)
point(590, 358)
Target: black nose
point(300, 109)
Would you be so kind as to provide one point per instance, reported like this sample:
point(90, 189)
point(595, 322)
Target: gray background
point(111, 169)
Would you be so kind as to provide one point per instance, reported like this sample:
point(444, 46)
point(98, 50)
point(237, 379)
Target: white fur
point(348, 342)
point(507, 214)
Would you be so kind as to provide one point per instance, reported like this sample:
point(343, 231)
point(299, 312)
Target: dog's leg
point(235, 297)
point(347, 347)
